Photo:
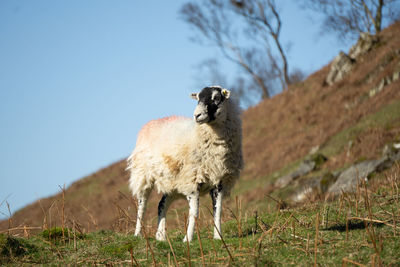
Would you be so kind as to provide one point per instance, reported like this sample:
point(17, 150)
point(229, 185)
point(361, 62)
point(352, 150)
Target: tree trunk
point(378, 17)
point(284, 61)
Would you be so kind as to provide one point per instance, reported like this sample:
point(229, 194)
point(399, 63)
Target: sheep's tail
point(137, 181)
point(130, 163)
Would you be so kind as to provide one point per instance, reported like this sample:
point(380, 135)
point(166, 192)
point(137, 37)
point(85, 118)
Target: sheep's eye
point(217, 99)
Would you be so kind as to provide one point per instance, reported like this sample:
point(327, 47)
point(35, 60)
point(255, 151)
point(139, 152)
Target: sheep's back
point(161, 149)
point(161, 133)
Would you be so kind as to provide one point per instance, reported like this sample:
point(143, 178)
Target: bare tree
point(348, 18)
point(265, 22)
point(210, 71)
point(243, 31)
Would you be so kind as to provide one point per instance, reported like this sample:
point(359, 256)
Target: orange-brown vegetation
point(276, 132)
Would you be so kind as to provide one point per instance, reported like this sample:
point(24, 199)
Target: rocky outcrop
point(363, 45)
point(351, 177)
point(385, 81)
point(307, 166)
point(303, 169)
point(318, 185)
point(343, 63)
point(340, 66)
point(332, 184)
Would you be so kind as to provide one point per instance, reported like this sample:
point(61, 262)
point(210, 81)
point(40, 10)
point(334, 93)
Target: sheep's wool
point(178, 155)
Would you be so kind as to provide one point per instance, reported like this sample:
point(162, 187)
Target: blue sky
point(78, 79)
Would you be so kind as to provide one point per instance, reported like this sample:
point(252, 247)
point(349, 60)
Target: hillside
point(355, 230)
point(347, 122)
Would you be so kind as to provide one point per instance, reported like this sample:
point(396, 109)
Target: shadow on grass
point(352, 225)
point(249, 229)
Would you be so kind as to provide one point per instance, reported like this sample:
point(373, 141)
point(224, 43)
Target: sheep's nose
point(200, 117)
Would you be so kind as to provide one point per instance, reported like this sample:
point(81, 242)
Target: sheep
point(185, 157)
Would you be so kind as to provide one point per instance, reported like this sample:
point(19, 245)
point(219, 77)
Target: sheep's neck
point(220, 134)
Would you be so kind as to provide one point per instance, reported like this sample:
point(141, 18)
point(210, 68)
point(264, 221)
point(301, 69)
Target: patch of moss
point(11, 247)
point(56, 234)
point(120, 250)
point(326, 181)
point(318, 158)
point(360, 159)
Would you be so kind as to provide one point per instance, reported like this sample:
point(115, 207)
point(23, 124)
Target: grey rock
point(395, 157)
point(314, 185)
point(364, 44)
point(304, 168)
point(340, 66)
point(379, 87)
point(389, 150)
point(348, 179)
point(385, 81)
point(314, 150)
point(343, 63)
point(396, 75)
point(285, 180)
point(307, 189)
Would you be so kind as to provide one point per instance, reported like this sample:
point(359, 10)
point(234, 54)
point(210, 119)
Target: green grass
point(278, 238)
point(387, 117)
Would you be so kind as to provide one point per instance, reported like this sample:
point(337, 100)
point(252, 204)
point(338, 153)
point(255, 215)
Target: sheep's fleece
point(189, 157)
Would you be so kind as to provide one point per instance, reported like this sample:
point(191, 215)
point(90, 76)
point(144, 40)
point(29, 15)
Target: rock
point(396, 75)
point(384, 82)
point(340, 66)
point(314, 186)
point(343, 63)
point(395, 157)
point(349, 147)
point(396, 72)
point(364, 44)
point(314, 150)
point(304, 168)
point(285, 180)
point(307, 166)
point(392, 151)
point(376, 89)
point(348, 179)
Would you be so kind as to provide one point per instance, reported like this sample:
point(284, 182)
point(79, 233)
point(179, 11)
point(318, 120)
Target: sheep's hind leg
point(163, 206)
point(193, 200)
point(216, 196)
point(142, 201)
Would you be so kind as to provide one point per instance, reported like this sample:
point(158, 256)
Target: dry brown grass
point(276, 132)
point(282, 237)
point(309, 114)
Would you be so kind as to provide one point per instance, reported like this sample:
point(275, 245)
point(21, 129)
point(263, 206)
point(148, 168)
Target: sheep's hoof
point(185, 239)
point(217, 236)
point(138, 234)
point(160, 236)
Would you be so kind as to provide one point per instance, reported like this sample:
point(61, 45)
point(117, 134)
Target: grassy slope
point(279, 238)
point(278, 133)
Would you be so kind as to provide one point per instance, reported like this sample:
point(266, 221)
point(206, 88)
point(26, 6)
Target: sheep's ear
point(226, 93)
point(195, 96)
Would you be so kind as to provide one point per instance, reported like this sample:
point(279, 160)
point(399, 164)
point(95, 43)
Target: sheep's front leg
point(163, 206)
point(142, 201)
point(216, 196)
point(193, 200)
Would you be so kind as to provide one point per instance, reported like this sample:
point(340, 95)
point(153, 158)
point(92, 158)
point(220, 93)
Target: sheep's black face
point(211, 104)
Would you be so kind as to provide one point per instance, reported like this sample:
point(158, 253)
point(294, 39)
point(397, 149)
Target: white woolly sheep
point(185, 157)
